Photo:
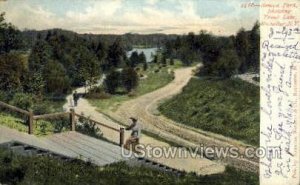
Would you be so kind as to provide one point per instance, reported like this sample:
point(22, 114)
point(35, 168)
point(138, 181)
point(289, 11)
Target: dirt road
point(145, 109)
point(179, 161)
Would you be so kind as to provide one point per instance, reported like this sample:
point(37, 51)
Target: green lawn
point(228, 107)
point(152, 82)
point(41, 127)
point(43, 170)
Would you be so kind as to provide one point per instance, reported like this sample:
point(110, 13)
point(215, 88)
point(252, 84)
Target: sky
point(221, 17)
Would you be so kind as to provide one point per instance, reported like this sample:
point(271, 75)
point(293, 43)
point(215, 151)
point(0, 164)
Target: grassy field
point(41, 127)
point(228, 107)
point(152, 82)
point(43, 170)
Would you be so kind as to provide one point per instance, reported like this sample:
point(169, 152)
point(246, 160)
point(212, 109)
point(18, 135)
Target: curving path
point(145, 108)
point(188, 163)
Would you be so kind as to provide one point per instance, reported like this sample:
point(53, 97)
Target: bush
point(171, 61)
point(42, 108)
point(22, 100)
point(227, 64)
point(45, 170)
point(112, 81)
point(145, 66)
point(4, 96)
point(87, 127)
point(97, 95)
point(129, 79)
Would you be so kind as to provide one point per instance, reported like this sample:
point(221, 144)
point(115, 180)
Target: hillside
point(228, 107)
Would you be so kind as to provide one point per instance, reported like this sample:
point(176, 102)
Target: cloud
point(122, 16)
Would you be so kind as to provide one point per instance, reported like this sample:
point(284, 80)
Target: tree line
point(60, 60)
point(221, 56)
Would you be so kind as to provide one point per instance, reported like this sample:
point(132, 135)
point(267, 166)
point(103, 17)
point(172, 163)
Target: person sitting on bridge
point(134, 138)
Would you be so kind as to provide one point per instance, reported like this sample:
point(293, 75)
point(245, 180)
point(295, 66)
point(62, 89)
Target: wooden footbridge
point(69, 145)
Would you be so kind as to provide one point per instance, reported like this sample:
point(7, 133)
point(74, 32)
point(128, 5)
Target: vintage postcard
point(144, 92)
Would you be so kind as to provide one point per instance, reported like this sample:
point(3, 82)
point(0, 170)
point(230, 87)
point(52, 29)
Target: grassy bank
point(41, 127)
point(43, 170)
point(152, 80)
point(228, 107)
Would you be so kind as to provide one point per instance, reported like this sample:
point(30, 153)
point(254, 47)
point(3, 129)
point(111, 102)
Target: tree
point(112, 81)
point(12, 72)
point(155, 59)
point(242, 48)
point(172, 61)
point(35, 83)
point(145, 66)
point(142, 58)
point(164, 59)
point(134, 59)
point(88, 67)
point(10, 36)
point(116, 54)
point(129, 78)
point(227, 64)
point(55, 78)
point(40, 55)
point(254, 39)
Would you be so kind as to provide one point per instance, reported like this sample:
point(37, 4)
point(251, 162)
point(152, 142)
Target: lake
point(147, 51)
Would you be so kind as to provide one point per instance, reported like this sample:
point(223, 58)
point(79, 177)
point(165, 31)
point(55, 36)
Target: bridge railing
point(30, 118)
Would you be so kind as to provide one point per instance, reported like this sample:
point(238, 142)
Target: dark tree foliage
point(145, 66)
point(116, 54)
point(112, 81)
point(242, 46)
point(142, 58)
point(155, 59)
point(210, 50)
point(129, 79)
point(172, 61)
point(40, 55)
point(56, 78)
point(254, 38)
point(12, 72)
point(10, 36)
point(227, 64)
point(76, 61)
point(134, 59)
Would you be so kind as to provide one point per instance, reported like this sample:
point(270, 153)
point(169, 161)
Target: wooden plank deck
point(71, 144)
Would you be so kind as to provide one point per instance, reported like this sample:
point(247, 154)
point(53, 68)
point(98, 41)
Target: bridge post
point(72, 119)
point(30, 122)
point(121, 136)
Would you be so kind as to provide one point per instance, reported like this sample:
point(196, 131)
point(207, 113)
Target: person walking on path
point(75, 98)
point(135, 135)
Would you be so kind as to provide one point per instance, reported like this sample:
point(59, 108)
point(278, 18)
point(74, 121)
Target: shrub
point(42, 108)
point(87, 127)
point(45, 170)
point(145, 66)
point(112, 81)
point(171, 61)
point(129, 79)
point(22, 100)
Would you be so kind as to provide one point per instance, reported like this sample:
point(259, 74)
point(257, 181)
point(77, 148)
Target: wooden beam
point(72, 120)
point(98, 123)
point(121, 136)
point(52, 115)
point(13, 108)
point(30, 123)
